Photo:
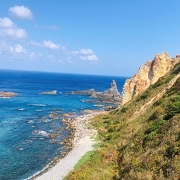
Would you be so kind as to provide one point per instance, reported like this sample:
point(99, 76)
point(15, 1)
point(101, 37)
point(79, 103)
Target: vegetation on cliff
point(141, 139)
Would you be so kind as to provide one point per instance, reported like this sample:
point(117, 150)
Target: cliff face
point(148, 74)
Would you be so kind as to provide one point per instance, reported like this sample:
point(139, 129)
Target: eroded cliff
point(148, 74)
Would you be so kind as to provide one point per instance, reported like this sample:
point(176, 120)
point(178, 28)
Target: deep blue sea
point(23, 151)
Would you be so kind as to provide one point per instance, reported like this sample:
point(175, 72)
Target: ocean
point(25, 120)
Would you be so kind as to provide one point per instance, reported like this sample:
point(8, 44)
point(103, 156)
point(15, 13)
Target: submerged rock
point(40, 132)
point(54, 116)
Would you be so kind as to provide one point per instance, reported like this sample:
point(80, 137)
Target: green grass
point(144, 146)
point(84, 159)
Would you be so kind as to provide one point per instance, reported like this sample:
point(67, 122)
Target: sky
point(110, 37)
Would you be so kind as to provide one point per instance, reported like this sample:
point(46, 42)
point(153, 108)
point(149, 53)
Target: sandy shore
point(82, 144)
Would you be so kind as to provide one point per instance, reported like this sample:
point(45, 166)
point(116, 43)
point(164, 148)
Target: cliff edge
point(148, 74)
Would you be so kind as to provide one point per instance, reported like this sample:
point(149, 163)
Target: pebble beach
point(82, 143)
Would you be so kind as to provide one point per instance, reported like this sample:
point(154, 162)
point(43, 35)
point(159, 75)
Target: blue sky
point(110, 37)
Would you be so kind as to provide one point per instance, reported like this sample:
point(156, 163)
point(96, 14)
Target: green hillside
point(141, 139)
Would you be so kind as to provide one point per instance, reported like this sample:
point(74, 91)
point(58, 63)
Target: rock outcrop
point(109, 95)
point(148, 74)
point(50, 92)
point(6, 94)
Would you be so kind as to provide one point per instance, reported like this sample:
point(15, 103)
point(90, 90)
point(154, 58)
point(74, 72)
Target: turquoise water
point(25, 121)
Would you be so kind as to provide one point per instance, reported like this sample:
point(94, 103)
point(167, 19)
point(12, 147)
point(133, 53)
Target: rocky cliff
point(148, 74)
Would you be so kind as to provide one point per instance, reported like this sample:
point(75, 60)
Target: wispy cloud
point(9, 29)
point(53, 27)
point(51, 45)
point(34, 55)
point(48, 44)
point(85, 54)
point(17, 49)
point(21, 12)
point(92, 57)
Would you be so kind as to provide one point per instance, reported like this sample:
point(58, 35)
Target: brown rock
point(54, 116)
point(52, 135)
point(6, 94)
point(148, 74)
point(66, 114)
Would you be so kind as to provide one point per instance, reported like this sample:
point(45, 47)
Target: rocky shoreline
point(77, 144)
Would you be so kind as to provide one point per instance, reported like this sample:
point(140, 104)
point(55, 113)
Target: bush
point(124, 109)
point(149, 137)
point(158, 83)
point(144, 95)
point(158, 112)
point(106, 117)
point(174, 107)
point(155, 126)
point(111, 129)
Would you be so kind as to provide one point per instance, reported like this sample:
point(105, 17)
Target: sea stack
point(110, 95)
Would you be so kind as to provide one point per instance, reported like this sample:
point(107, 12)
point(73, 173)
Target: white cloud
point(92, 57)
point(11, 50)
point(85, 54)
point(48, 44)
point(6, 23)
point(9, 29)
point(21, 12)
point(17, 49)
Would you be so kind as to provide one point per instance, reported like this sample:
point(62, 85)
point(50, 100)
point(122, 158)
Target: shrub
point(174, 107)
point(145, 94)
point(158, 83)
point(155, 126)
point(158, 112)
point(111, 129)
point(124, 109)
point(149, 137)
point(106, 117)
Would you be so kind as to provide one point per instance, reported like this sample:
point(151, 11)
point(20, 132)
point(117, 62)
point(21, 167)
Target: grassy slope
point(143, 137)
